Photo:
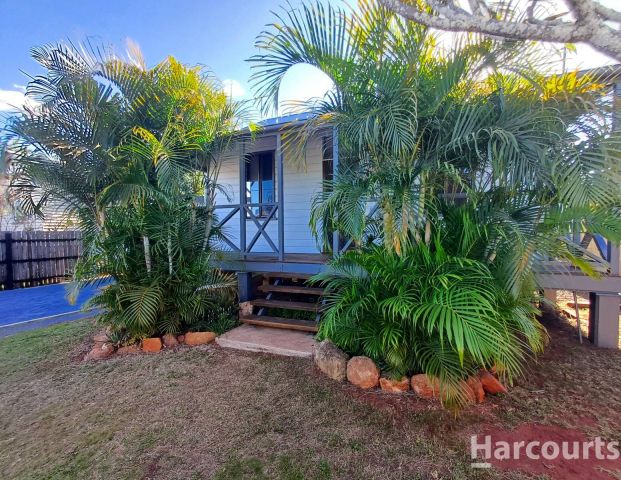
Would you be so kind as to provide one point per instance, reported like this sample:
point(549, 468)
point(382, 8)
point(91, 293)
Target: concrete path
point(289, 343)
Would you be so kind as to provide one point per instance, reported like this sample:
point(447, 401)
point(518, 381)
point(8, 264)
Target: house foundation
point(604, 319)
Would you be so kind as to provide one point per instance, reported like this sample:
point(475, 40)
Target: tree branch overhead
point(582, 21)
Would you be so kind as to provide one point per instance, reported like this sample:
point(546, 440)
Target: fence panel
point(28, 259)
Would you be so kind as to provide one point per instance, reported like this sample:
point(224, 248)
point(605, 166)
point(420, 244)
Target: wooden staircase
point(286, 294)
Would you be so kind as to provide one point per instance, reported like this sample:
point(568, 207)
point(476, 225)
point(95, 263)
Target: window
point(260, 182)
point(327, 155)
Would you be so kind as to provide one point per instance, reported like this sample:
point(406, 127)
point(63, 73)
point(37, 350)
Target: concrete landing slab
point(289, 343)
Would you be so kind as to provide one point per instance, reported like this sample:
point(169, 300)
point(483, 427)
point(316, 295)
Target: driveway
point(27, 308)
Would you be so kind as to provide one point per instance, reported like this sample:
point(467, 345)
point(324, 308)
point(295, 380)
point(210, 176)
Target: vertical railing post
point(281, 199)
point(244, 286)
point(336, 244)
point(8, 245)
point(613, 257)
point(242, 199)
point(604, 319)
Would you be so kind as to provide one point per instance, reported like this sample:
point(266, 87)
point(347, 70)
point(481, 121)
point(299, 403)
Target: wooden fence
point(28, 259)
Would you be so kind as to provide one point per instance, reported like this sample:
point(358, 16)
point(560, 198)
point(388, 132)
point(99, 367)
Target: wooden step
point(291, 289)
point(293, 276)
point(279, 322)
point(581, 304)
point(306, 306)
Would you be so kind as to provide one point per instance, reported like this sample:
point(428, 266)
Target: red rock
point(425, 386)
point(170, 340)
point(491, 383)
point(362, 372)
point(199, 338)
point(100, 351)
point(101, 337)
point(128, 350)
point(475, 389)
point(394, 386)
point(181, 338)
point(151, 345)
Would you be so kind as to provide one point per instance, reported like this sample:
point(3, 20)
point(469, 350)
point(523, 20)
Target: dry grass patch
point(207, 412)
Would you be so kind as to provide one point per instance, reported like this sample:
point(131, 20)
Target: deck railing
point(275, 210)
point(600, 253)
point(245, 211)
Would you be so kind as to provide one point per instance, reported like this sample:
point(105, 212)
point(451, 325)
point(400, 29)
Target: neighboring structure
point(12, 220)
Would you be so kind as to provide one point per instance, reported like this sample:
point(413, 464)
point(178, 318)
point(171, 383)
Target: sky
point(217, 34)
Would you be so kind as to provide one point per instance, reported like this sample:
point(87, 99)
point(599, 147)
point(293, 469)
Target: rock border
point(103, 348)
point(363, 373)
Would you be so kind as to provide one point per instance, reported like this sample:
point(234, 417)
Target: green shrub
point(426, 311)
point(178, 288)
point(220, 318)
point(125, 149)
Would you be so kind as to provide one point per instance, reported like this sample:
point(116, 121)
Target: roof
point(276, 123)
point(609, 73)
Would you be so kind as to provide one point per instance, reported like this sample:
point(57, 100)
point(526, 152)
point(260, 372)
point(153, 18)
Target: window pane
point(327, 147)
point(267, 166)
point(267, 181)
point(328, 170)
point(252, 182)
point(260, 186)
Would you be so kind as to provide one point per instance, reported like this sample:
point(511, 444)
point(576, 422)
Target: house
point(267, 229)
point(267, 241)
point(266, 235)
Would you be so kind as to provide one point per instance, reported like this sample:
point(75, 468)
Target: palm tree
point(480, 163)
point(125, 149)
point(415, 119)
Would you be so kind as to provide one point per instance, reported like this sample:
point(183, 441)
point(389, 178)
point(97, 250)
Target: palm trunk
point(170, 259)
point(101, 218)
point(209, 222)
point(147, 252)
point(208, 226)
point(428, 193)
point(391, 237)
point(421, 210)
point(405, 221)
point(387, 234)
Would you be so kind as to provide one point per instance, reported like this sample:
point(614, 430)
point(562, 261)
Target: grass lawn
point(207, 412)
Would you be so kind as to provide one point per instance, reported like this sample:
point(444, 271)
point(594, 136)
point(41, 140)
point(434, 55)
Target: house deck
point(304, 263)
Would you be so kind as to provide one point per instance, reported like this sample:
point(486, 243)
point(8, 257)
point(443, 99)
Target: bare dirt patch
point(583, 466)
